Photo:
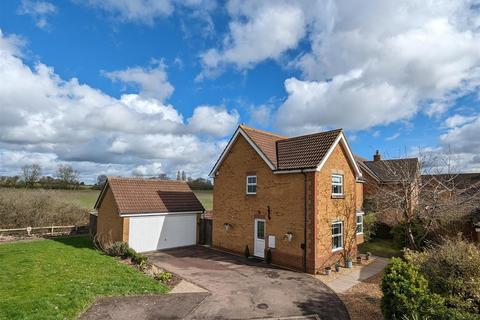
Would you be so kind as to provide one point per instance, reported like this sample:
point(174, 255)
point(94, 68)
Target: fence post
point(52, 230)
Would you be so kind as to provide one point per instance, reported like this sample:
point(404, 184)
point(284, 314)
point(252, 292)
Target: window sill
point(250, 194)
point(360, 234)
point(338, 196)
point(337, 249)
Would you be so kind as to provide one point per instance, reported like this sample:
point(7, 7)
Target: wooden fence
point(45, 231)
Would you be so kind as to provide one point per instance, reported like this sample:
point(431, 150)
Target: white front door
point(259, 238)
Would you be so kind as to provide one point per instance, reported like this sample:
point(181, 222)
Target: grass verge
point(381, 248)
point(59, 278)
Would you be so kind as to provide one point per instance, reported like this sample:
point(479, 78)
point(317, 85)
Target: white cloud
point(257, 31)
point(38, 10)
point(261, 115)
point(151, 82)
point(67, 121)
point(359, 75)
point(393, 137)
point(213, 120)
point(458, 120)
point(141, 11)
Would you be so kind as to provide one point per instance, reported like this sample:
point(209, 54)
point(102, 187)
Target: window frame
point(341, 184)
point(337, 235)
point(359, 214)
point(248, 184)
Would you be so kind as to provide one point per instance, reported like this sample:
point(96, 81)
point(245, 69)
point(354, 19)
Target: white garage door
point(149, 233)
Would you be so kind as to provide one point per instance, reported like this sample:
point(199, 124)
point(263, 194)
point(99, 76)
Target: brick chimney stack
point(377, 156)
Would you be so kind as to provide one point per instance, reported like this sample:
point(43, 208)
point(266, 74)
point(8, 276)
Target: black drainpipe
point(305, 222)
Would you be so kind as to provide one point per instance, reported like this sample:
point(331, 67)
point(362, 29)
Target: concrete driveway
point(242, 289)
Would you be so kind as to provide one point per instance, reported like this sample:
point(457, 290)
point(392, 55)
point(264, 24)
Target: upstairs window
point(337, 236)
point(359, 222)
point(337, 185)
point(251, 184)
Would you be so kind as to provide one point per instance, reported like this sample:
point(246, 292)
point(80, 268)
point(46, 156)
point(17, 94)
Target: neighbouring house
point(297, 199)
point(463, 191)
point(148, 214)
point(386, 180)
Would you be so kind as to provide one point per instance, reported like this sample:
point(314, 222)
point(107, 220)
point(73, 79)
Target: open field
point(205, 197)
point(59, 278)
point(86, 198)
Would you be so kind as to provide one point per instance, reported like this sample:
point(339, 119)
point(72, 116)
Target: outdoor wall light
point(227, 226)
point(288, 236)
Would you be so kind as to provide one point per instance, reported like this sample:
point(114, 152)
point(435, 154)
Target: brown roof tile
point(265, 141)
point(395, 169)
point(305, 151)
point(135, 195)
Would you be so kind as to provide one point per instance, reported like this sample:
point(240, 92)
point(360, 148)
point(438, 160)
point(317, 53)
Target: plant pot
point(348, 264)
point(328, 270)
point(359, 260)
point(367, 256)
point(337, 268)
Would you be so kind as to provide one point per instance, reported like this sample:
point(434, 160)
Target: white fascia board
point(229, 146)
point(124, 215)
point(341, 138)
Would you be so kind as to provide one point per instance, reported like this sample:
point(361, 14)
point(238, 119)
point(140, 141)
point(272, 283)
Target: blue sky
point(147, 87)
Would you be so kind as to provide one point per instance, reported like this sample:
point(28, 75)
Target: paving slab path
point(346, 281)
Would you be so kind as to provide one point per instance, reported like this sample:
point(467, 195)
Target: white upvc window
point(337, 236)
point(251, 184)
point(337, 185)
point(359, 222)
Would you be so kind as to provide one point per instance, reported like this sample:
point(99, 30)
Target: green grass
point(84, 198)
point(380, 247)
point(205, 197)
point(58, 279)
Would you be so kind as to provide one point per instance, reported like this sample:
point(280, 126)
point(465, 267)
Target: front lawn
point(381, 248)
point(59, 278)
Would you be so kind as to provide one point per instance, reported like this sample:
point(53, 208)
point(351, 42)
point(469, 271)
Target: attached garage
point(148, 214)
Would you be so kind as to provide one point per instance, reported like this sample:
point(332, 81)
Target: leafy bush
point(37, 208)
point(369, 225)
point(453, 271)
point(118, 249)
point(399, 234)
point(406, 292)
point(164, 277)
point(138, 258)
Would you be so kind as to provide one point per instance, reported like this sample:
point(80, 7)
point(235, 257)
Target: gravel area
point(363, 300)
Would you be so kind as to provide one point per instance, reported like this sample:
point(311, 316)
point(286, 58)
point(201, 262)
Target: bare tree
point(31, 174)
point(425, 191)
point(68, 176)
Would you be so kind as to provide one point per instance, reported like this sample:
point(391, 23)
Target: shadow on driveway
point(246, 289)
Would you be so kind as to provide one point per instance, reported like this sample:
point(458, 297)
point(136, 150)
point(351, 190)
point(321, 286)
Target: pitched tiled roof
point(265, 141)
point(457, 180)
point(305, 151)
point(393, 170)
point(135, 195)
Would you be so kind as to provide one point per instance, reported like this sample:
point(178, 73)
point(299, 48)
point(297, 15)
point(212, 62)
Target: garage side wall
point(110, 226)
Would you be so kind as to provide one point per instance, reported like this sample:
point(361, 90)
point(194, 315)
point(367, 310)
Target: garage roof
point(136, 196)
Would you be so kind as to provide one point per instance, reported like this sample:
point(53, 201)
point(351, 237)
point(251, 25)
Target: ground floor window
point(359, 222)
point(337, 235)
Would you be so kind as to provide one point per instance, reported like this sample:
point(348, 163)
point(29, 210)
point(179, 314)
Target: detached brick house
point(301, 198)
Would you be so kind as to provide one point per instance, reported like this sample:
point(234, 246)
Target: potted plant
point(359, 259)
point(328, 270)
point(337, 266)
point(367, 256)
point(348, 263)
